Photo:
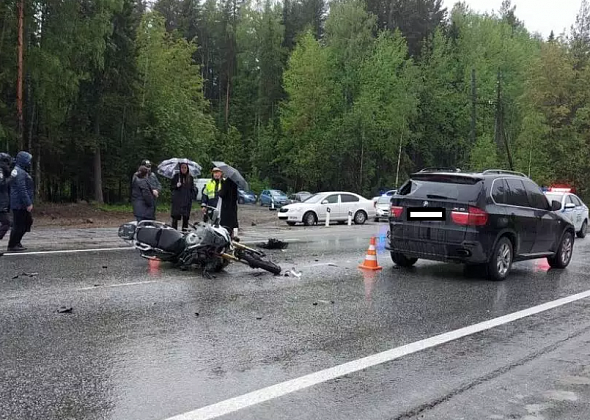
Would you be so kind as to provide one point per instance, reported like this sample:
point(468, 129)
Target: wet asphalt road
point(133, 347)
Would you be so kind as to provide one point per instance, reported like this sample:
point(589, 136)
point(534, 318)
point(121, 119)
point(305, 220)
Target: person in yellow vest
point(211, 193)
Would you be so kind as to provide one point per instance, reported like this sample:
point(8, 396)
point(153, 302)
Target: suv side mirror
point(555, 205)
point(570, 206)
point(325, 202)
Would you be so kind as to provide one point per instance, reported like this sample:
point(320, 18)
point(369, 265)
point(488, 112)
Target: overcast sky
point(538, 15)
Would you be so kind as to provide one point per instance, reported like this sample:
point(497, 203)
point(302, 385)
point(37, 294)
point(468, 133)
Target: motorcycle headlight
point(191, 238)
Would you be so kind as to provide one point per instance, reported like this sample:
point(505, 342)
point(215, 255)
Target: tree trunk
point(38, 171)
point(97, 162)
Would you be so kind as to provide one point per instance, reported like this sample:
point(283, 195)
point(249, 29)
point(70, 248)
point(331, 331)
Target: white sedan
point(572, 208)
point(315, 208)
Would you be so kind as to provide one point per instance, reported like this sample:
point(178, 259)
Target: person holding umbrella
point(183, 194)
point(229, 197)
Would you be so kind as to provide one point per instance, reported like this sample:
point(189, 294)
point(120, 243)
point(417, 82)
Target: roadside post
point(349, 217)
point(272, 204)
point(328, 217)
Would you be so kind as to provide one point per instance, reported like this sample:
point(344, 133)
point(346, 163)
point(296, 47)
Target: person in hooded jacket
point(142, 197)
point(22, 190)
point(183, 194)
point(5, 163)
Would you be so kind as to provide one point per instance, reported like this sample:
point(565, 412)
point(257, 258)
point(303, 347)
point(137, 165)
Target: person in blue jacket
point(21, 201)
point(5, 164)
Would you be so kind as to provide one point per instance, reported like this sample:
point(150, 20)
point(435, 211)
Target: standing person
point(5, 162)
point(211, 192)
point(142, 197)
point(229, 206)
point(183, 194)
point(21, 201)
point(153, 182)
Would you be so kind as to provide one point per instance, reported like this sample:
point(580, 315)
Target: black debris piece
point(23, 274)
point(196, 313)
point(274, 244)
point(65, 310)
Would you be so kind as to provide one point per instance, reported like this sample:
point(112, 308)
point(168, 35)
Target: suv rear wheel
point(402, 260)
point(501, 261)
point(563, 256)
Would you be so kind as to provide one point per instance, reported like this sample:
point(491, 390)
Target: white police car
point(571, 207)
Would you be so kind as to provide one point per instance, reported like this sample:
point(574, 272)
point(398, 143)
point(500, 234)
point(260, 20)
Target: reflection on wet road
point(145, 341)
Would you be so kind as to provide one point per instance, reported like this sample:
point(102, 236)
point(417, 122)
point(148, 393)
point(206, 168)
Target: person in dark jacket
point(5, 163)
point(229, 206)
point(153, 182)
point(22, 192)
point(183, 194)
point(142, 197)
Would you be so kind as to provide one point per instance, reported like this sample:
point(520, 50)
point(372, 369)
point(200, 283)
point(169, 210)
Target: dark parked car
point(246, 197)
point(486, 220)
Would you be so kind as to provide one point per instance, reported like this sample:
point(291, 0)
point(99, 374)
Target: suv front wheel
point(501, 261)
point(563, 256)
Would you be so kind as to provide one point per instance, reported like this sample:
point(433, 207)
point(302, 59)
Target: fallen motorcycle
point(207, 245)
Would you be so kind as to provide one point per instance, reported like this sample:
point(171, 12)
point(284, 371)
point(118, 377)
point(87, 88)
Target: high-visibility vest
point(210, 188)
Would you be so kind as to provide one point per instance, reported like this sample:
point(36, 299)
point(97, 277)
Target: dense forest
point(303, 94)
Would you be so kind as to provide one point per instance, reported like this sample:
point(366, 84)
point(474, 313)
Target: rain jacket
point(211, 192)
point(4, 187)
point(22, 188)
point(154, 182)
point(183, 196)
point(142, 199)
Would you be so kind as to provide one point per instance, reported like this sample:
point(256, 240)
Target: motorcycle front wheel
point(256, 262)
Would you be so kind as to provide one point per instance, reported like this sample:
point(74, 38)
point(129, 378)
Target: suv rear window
point(443, 187)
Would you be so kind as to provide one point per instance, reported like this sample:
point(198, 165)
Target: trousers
point(22, 222)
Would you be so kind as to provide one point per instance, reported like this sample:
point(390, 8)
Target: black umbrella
point(233, 174)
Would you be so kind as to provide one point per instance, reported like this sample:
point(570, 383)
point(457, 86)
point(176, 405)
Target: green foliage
point(294, 96)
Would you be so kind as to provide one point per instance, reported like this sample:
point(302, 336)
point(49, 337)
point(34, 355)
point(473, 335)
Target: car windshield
point(316, 198)
point(384, 199)
point(277, 193)
point(551, 196)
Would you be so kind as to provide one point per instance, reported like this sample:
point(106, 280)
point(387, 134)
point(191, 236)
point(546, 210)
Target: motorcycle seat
point(149, 236)
point(171, 240)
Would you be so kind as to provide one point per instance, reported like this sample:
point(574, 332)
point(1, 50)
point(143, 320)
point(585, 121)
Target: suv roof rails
point(502, 171)
point(440, 169)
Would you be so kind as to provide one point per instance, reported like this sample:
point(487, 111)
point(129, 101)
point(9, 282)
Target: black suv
point(486, 220)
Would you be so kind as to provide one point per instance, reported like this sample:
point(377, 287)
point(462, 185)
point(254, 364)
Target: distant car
point(383, 208)
point(572, 208)
point(279, 198)
point(386, 193)
point(246, 197)
point(299, 197)
point(314, 209)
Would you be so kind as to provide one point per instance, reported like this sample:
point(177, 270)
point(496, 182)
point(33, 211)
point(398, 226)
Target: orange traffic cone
point(370, 262)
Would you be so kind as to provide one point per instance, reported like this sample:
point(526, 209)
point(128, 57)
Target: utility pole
point(473, 106)
point(500, 132)
point(19, 88)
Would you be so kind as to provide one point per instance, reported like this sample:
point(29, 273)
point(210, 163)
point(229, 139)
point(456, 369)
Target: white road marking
point(116, 285)
point(116, 248)
point(68, 251)
point(275, 391)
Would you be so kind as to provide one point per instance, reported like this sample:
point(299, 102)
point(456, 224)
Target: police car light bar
point(560, 189)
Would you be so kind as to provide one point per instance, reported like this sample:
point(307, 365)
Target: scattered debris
point(23, 274)
point(332, 265)
point(293, 272)
point(90, 221)
point(196, 313)
point(96, 285)
point(104, 266)
point(316, 260)
point(259, 318)
point(253, 223)
point(274, 244)
point(65, 310)
point(315, 304)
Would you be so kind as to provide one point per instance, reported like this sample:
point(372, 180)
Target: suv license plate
point(431, 214)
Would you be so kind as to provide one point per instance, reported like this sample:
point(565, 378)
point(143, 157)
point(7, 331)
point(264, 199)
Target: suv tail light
point(396, 211)
point(473, 217)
